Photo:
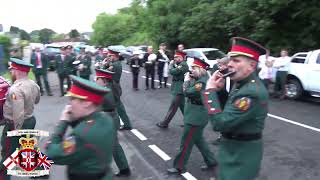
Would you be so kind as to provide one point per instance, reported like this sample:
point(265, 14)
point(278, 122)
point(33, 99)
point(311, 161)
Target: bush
point(5, 41)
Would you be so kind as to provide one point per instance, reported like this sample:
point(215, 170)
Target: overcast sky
point(58, 15)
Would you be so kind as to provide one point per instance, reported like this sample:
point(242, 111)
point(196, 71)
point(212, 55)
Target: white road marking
point(188, 176)
point(128, 72)
point(121, 122)
point(293, 122)
point(160, 153)
point(139, 134)
point(169, 84)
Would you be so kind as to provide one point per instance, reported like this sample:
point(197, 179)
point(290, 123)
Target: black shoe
point(174, 171)
point(159, 87)
point(146, 88)
point(41, 93)
point(206, 167)
point(50, 94)
point(160, 125)
point(124, 173)
point(153, 88)
point(122, 128)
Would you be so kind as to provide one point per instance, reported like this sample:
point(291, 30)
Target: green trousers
point(239, 160)
point(117, 152)
point(10, 144)
point(193, 135)
point(279, 87)
point(123, 115)
point(177, 101)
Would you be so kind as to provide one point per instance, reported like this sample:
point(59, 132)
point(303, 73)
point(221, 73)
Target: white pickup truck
point(304, 74)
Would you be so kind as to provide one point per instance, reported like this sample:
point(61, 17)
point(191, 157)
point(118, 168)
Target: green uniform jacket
point(86, 61)
point(178, 71)
point(100, 58)
point(195, 113)
point(252, 95)
point(244, 113)
point(44, 62)
point(88, 149)
point(117, 69)
point(63, 67)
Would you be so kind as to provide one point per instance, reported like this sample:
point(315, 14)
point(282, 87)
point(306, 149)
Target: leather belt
point(242, 137)
point(111, 110)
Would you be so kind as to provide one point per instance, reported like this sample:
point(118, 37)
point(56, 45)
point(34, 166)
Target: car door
point(314, 71)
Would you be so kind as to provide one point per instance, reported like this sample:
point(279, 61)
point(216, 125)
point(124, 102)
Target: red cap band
point(20, 67)
point(89, 96)
point(104, 75)
point(238, 48)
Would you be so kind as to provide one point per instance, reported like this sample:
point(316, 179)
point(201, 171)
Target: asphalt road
point(291, 135)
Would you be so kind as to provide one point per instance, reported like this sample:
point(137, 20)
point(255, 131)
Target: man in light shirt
point(282, 65)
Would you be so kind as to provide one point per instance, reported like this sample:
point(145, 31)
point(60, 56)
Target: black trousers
point(150, 74)
point(45, 80)
point(135, 77)
point(62, 77)
point(160, 72)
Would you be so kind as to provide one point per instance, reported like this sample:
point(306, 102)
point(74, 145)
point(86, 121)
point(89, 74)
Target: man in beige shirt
point(18, 108)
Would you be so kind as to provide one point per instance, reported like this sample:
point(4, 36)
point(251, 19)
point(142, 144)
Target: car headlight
point(140, 56)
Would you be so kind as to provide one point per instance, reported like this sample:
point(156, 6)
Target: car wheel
point(294, 89)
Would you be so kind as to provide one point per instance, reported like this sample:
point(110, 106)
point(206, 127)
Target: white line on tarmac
point(155, 80)
point(188, 176)
point(160, 153)
point(293, 122)
point(121, 122)
point(139, 134)
point(128, 72)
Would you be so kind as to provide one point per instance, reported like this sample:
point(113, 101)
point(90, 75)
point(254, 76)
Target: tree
point(6, 43)
point(34, 35)
point(58, 37)
point(111, 29)
point(24, 35)
point(45, 35)
point(14, 30)
point(74, 33)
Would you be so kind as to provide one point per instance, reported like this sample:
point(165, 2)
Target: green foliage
point(45, 35)
point(112, 29)
point(276, 24)
point(6, 43)
point(74, 33)
point(8, 77)
point(24, 35)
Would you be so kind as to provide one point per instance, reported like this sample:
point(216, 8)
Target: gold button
point(212, 109)
point(210, 101)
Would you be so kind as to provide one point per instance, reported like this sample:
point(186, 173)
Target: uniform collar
point(20, 80)
point(251, 77)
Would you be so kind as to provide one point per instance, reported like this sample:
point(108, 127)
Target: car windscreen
point(214, 54)
point(52, 50)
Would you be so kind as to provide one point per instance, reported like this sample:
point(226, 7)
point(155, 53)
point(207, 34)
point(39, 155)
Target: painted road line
point(121, 122)
point(169, 84)
point(188, 176)
point(139, 134)
point(160, 153)
point(293, 122)
point(128, 72)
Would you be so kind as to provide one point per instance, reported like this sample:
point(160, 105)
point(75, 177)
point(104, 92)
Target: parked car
point(51, 51)
point(139, 49)
point(209, 55)
point(122, 49)
point(304, 74)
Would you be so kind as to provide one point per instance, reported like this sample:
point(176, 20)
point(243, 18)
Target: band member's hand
point(172, 62)
point(216, 81)
point(110, 68)
point(187, 77)
point(66, 113)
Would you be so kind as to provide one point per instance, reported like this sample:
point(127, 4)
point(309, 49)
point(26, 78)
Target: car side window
point(318, 59)
point(299, 59)
point(189, 53)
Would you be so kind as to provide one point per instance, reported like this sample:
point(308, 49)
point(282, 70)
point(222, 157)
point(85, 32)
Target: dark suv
point(51, 52)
